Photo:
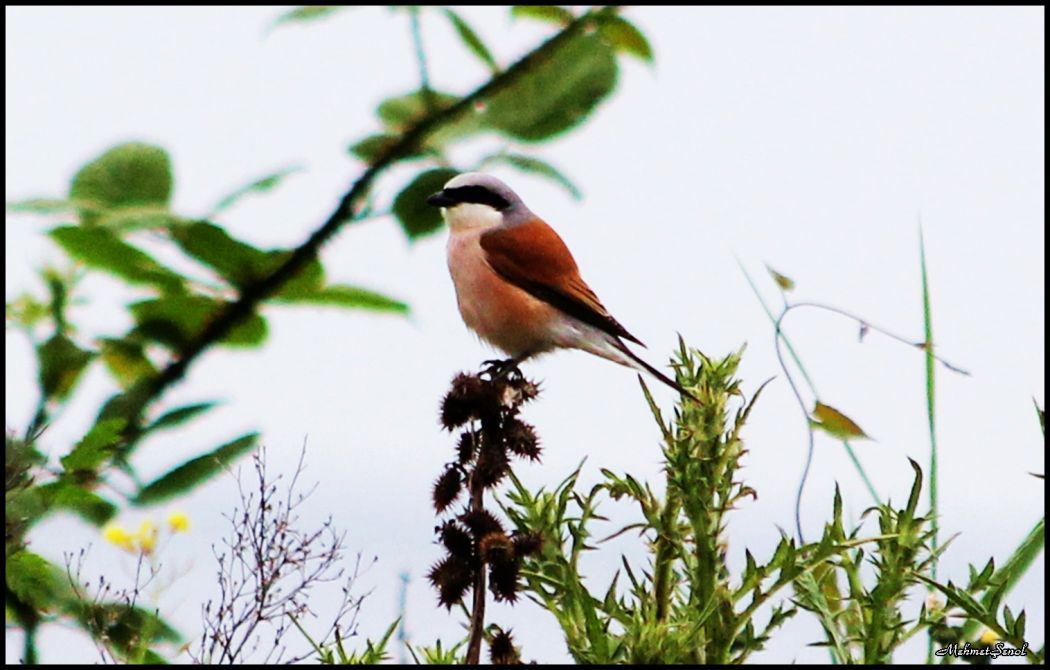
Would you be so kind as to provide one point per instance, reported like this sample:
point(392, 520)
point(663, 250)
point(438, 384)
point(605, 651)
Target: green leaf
point(416, 217)
point(626, 37)
point(533, 165)
point(472, 40)
point(557, 94)
point(126, 360)
point(237, 262)
point(101, 249)
point(26, 311)
point(341, 295)
point(95, 447)
point(1042, 417)
point(19, 458)
point(87, 505)
point(1015, 567)
point(371, 148)
point(241, 264)
point(180, 415)
point(59, 285)
point(834, 422)
point(307, 13)
point(128, 219)
point(37, 582)
point(402, 112)
point(128, 404)
point(177, 320)
point(194, 472)
point(261, 185)
point(785, 283)
point(307, 281)
point(548, 13)
point(128, 175)
point(45, 206)
point(61, 364)
point(916, 489)
point(128, 631)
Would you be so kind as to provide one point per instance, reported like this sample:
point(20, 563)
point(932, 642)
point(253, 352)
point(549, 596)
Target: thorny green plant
point(684, 605)
point(837, 424)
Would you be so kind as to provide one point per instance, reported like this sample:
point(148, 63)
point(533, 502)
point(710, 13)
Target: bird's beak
point(439, 199)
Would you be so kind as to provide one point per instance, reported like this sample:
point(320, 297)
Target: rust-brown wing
point(534, 258)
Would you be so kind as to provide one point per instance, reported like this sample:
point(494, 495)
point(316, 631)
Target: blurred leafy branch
point(117, 220)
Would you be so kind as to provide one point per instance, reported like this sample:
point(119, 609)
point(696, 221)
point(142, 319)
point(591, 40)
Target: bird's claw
point(497, 368)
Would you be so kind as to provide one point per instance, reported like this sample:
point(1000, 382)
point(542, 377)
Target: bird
point(517, 284)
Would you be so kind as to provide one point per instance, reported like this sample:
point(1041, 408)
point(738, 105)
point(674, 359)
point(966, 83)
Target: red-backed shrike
point(517, 285)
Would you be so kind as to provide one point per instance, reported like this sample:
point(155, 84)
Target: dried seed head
point(501, 649)
point(467, 447)
point(481, 522)
point(496, 548)
point(521, 439)
point(457, 541)
point(524, 390)
point(467, 399)
point(451, 577)
point(492, 465)
point(447, 488)
point(527, 544)
point(504, 579)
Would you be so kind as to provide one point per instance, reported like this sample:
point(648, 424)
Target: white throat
point(471, 216)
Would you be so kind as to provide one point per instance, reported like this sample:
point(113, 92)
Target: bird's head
point(475, 200)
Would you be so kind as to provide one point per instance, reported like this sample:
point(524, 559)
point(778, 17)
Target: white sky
point(811, 139)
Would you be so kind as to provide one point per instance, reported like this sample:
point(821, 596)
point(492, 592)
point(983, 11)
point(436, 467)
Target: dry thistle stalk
point(485, 408)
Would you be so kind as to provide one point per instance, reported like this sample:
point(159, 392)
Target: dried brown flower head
point(452, 578)
point(447, 488)
point(501, 649)
point(457, 540)
point(520, 438)
point(527, 544)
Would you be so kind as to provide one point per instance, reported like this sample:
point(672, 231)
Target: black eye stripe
point(477, 195)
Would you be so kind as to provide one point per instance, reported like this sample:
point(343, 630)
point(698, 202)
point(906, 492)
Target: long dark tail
point(653, 371)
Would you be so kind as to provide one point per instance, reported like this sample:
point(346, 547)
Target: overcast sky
point(810, 139)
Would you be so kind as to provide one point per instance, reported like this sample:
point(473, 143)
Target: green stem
point(931, 415)
point(664, 546)
point(421, 57)
point(812, 387)
point(29, 650)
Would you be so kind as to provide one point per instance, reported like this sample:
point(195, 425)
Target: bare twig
point(94, 616)
point(267, 568)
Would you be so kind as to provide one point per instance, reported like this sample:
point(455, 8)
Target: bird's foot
point(501, 368)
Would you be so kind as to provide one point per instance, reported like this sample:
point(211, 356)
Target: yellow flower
point(115, 534)
point(179, 522)
point(989, 637)
point(147, 536)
